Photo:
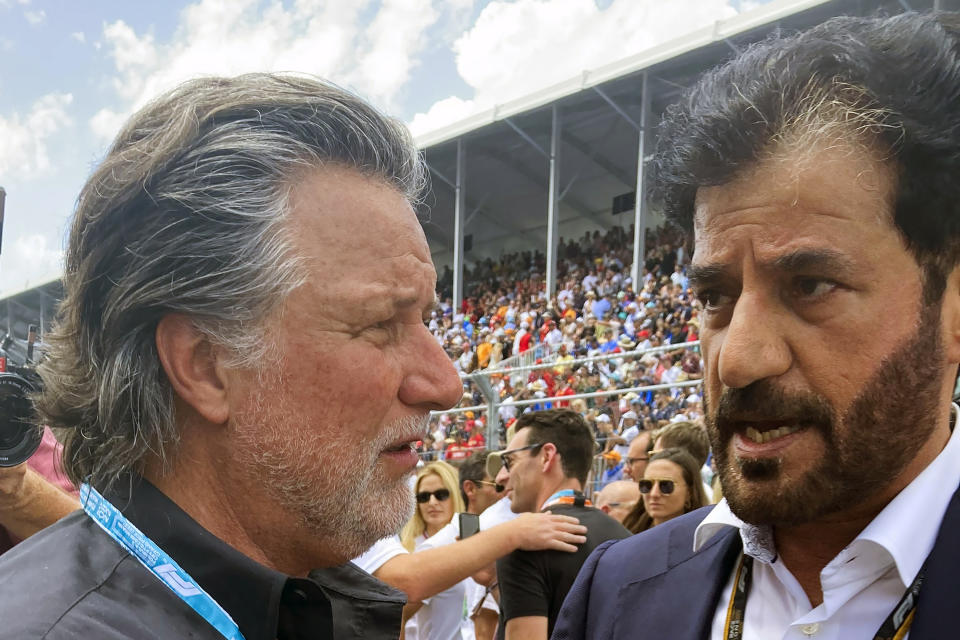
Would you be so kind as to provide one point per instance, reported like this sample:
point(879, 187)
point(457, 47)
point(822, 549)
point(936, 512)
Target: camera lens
point(19, 434)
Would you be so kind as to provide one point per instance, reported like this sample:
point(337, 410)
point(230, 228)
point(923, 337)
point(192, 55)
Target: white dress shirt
point(862, 584)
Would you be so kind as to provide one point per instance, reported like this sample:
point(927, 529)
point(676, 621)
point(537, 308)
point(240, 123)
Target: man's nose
point(753, 343)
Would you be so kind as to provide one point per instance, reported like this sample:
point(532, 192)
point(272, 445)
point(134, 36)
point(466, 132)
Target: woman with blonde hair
point(437, 490)
point(438, 499)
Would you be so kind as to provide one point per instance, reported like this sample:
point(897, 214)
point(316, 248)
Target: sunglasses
point(632, 460)
point(496, 485)
point(442, 495)
point(505, 456)
point(666, 485)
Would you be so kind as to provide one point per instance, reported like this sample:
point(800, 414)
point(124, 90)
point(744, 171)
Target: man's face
point(818, 391)
point(485, 494)
point(637, 457)
point(524, 478)
point(327, 428)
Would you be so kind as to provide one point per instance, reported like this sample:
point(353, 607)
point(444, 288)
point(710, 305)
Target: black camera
point(20, 433)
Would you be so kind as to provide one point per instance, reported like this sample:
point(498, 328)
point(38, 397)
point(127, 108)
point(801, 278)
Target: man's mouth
point(762, 436)
point(402, 446)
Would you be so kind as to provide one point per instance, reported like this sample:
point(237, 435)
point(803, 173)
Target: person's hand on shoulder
point(541, 531)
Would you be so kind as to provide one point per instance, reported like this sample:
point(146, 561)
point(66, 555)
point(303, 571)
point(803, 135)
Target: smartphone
point(469, 525)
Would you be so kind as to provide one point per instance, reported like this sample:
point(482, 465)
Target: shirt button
point(810, 629)
point(299, 596)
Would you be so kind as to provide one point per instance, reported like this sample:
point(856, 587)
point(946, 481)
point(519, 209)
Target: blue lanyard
point(157, 561)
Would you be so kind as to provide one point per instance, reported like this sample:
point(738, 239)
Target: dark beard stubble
point(883, 430)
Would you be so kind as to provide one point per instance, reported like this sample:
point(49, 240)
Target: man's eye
point(713, 299)
point(813, 287)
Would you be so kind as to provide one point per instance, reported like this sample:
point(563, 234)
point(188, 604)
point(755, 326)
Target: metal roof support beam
point(673, 84)
point(640, 202)
point(563, 192)
point(460, 195)
point(906, 5)
point(475, 210)
point(597, 159)
point(552, 202)
point(733, 47)
point(450, 183)
point(523, 134)
point(616, 107)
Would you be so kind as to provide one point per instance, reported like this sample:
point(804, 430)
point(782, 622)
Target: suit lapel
point(940, 594)
point(679, 603)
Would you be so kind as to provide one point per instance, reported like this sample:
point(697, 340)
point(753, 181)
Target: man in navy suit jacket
point(818, 176)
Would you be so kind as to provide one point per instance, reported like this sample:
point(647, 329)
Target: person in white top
point(441, 563)
point(826, 220)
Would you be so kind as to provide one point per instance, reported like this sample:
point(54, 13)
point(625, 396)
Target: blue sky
point(71, 72)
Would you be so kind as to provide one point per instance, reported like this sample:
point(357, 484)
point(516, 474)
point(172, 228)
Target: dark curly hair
point(889, 84)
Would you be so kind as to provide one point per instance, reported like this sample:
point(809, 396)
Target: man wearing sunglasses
point(545, 468)
point(817, 173)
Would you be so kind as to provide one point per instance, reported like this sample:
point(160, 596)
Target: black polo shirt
point(330, 603)
point(534, 583)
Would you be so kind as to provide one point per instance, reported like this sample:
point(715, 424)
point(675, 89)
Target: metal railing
point(484, 380)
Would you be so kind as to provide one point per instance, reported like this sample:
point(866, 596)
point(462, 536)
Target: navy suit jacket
point(653, 586)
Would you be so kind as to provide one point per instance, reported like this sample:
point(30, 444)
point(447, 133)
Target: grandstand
point(568, 161)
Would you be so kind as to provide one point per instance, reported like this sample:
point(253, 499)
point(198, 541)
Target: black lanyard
point(895, 627)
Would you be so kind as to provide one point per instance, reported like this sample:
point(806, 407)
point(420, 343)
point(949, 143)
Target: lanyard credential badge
point(165, 568)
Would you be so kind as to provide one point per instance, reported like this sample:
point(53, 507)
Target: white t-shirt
point(497, 513)
point(377, 555)
point(443, 616)
point(628, 434)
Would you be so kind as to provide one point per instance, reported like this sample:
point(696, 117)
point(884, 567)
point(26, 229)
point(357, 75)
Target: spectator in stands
point(829, 190)
point(235, 372)
point(618, 499)
point(613, 469)
point(638, 455)
point(34, 494)
point(545, 468)
point(670, 487)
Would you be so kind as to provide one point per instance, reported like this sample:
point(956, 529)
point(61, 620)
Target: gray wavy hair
point(185, 215)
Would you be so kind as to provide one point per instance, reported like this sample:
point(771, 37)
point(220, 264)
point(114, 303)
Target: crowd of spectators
point(597, 310)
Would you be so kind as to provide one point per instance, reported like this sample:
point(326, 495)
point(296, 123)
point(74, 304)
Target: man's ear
point(950, 316)
point(469, 488)
point(191, 365)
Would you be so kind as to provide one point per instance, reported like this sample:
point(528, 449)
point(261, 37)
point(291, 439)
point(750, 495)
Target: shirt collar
point(922, 503)
point(248, 591)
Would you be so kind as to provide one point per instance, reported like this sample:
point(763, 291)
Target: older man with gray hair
point(241, 368)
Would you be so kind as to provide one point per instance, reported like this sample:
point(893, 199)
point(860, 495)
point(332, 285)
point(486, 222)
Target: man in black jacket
point(243, 370)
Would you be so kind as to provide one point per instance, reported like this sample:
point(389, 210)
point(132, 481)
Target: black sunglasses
point(442, 495)
point(505, 456)
point(666, 486)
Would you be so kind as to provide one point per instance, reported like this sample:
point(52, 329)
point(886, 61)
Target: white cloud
point(35, 17)
point(553, 40)
point(23, 140)
point(516, 47)
point(336, 40)
point(442, 113)
point(29, 260)
point(79, 36)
